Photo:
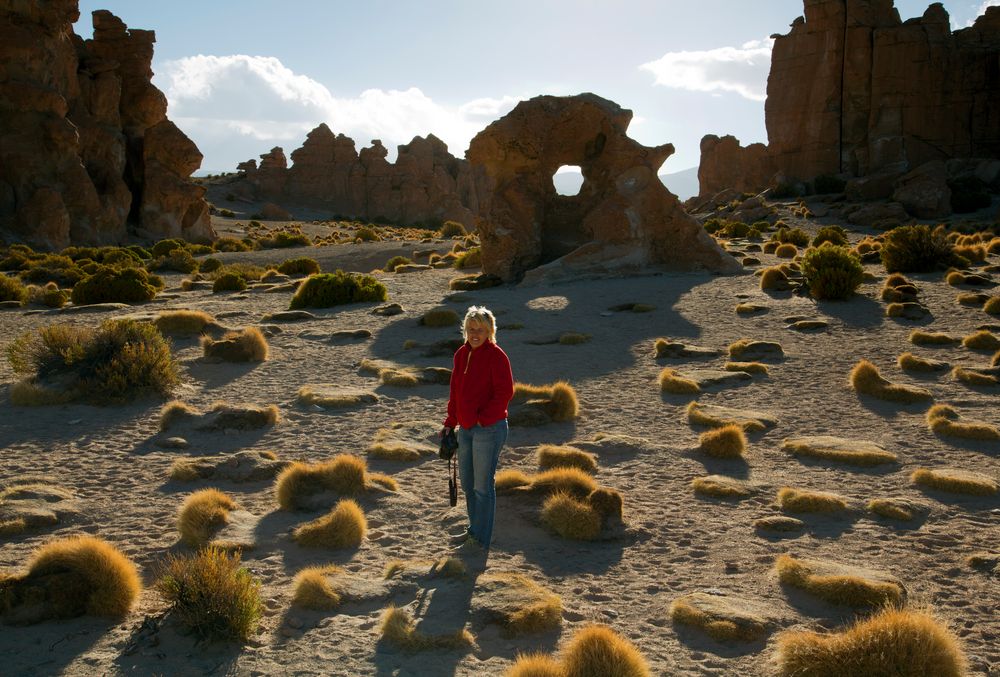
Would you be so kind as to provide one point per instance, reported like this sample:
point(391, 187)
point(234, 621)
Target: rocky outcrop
point(623, 218)
point(856, 92)
point(726, 165)
point(426, 184)
point(85, 144)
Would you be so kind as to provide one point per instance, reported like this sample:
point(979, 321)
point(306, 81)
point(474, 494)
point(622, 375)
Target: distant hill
point(683, 184)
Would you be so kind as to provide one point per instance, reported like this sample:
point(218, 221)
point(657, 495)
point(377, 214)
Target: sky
point(243, 77)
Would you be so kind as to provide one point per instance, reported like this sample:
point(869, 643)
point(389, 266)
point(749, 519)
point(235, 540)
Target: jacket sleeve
point(502, 382)
point(451, 419)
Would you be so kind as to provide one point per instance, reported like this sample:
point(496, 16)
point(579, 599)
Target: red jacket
point(481, 386)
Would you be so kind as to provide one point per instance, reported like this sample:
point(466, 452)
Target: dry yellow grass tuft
point(728, 441)
point(920, 337)
point(745, 346)
point(891, 642)
point(973, 377)
point(537, 610)
point(555, 456)
point(972, 299)
point(607, 502)
point(955, 278)
point(343, 527)
point(672, 382)
point(982, 340)
point(597, 650)
point(397, 628)
point(786, 251)
point(569, 480)
point(96, 578)
point(849, 589)
point(562, 405)
point(892, 508)
point(992, 305)
point(508, 480)
point(571, 518)
point(799, 500)
point(311, 588)
point(864, 454)
point(995, 362)
point(535, 665)
point(201, 515)
point(717, 618)
point(955, 481)
point(345, 475)
point(774, 279)
point(175, 411)
point(572, 338)
point(182, 322)
point(866, 379)
point(697, 415)
point(910, 362)
point(748, 367)
point(720, 486)
point(333, 398)
point(439, 317)
point(945, 420)
point(221, 416)
point(246, 345)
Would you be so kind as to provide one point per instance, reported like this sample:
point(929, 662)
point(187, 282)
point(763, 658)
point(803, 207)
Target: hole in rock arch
point(568, 180)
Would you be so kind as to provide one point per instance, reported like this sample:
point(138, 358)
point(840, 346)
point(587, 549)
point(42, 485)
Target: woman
point(481, 386)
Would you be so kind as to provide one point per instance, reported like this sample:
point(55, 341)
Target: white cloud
point(742, 70)
point(245, 104)
point(982, 10)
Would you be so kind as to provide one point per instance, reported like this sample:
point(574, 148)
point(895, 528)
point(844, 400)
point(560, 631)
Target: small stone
point(388, 310)
point(173, 443)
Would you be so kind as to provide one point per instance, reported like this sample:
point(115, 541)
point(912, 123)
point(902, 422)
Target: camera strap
point(453, 481)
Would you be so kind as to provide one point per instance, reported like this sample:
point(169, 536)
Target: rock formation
point(725, 164)
point(85, 144)
point(623, 218)
point(426, 184)
point(855, 92)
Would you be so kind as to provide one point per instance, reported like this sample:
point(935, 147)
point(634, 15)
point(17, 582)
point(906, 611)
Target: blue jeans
point(478, 455)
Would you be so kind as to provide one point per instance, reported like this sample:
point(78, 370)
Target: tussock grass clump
point(597, 650)
point(973, 377)
point(343, 527)
point(720, 486)
point(535, 665)
point(507, 481)
point(910, 362)
point(397, 628)
point(571, 518)
point(201, 515)
point(672, 382)
point(919, 337)
point(182, 322)
point(390, 265)
point(221, 416)
point(955, 481)
point(863, 454)
point(555, 456)
point(12, 289)
point(774, 279)
point(982, 340)
point(344, 474)
point(728, 441)
point(299, 266)
point(832, 272)
point(971, 299)
point(72, 577)
point(335, 398)
point(311, 588)
point(324, 290)
point(108, 284)
point(891, 642)
point(847, 586)
point(749, 421)
point(891, 509)
point(534, 609)
point(786, 251)
point(212, 595)
point(439, 317)
point(748, 367)
point(719, 617)
point(750, 347)
point(568, 480)
point(452, 229)
point(245, 345)
point(916, 249)
point(607, 502)
point(228, 281)
point(118, 361)
point(992, 305)
point(470, 258)
point(866, 379)
point(800, 500)
point(175, 411)
point(562, 405)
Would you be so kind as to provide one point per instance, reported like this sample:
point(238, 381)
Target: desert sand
point(674, 543)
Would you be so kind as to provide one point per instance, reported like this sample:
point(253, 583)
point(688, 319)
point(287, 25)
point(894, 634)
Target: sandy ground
point(677, 543)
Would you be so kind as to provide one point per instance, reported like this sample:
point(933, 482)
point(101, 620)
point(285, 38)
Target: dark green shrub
point(114, 285)
point(332, 289)
point(451, 229)
point(828, 183)
point(228, 213)
point(50, 295)
point(283, 239)
point(833, 272)
point(121, 258)
point(53, 268)
point(832, 234)
point(179, 260)
point(141, 252)
point(714, 225)
point(247, 271)
point(199, 249)
point(229, 281)
point(795, 236)
point(390, 265)
point(212, 595)
point(231, 244)
point(164, 247)
point(210, 265)
point(968, 194)
point(11, 289)
point(14, 261)
point(916, 249)
point(78, 253)
point(735, 229)
point(300, 266)
point(367, 234)
point(113, 363)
